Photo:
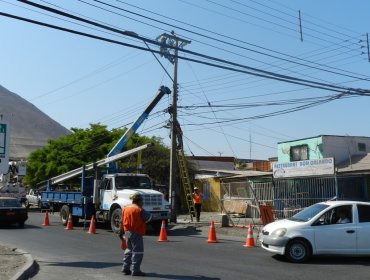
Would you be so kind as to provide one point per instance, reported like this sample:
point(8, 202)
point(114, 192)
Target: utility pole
point(173, 41)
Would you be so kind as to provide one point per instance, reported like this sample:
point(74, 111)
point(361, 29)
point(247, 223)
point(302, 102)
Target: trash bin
point(224, 220)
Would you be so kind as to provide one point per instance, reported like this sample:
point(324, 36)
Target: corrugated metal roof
point(355, 164)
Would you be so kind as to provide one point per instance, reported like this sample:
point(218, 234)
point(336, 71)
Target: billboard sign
point(313, 167)
point(4, 148)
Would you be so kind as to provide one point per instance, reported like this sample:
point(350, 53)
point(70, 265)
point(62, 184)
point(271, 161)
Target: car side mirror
point(321, 221)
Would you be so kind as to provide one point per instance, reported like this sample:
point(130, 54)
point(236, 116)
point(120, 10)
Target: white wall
point(341, 147)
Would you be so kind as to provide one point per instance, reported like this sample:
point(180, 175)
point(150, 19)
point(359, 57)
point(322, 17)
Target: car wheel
point(116, 220)
point(298, 251)
point(64, 214)
point(21, 224)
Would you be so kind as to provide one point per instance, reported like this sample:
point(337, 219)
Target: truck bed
point(61, 197)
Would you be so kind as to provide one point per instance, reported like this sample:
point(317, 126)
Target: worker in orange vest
point(134, 219)
point(197, 199)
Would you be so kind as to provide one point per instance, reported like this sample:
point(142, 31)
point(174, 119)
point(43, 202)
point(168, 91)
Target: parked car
point(33, 198)
point(12, 212)
point(327, 228)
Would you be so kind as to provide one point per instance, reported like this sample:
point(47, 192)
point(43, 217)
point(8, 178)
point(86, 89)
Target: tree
point(84, 146)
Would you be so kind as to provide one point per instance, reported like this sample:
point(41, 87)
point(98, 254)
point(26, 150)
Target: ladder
point(184, 174)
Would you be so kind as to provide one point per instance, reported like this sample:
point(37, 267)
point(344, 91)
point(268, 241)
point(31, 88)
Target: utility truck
point(14, 190)
point(105, 196)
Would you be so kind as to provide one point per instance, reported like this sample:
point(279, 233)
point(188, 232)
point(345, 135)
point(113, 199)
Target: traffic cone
point(92, 226)
point(250, 239)
point(46, 219)
point(163, 232)
point(212, 233)
point(70, 223)
point(123, 243)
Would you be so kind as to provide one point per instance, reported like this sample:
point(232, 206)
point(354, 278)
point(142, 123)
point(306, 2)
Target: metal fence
point(286, 196)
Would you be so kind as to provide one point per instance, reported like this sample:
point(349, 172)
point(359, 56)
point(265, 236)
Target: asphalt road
point(63, 254)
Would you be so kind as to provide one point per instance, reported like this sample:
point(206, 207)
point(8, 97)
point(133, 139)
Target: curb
point(28, 269)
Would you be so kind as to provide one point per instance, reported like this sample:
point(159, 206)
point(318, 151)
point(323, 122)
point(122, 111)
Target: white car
point(33, 198)
point(327, 228)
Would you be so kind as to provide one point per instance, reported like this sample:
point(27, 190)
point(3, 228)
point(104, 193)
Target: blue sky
point(77, 80)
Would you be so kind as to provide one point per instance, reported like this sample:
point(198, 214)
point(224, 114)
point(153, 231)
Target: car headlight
point(279, 232)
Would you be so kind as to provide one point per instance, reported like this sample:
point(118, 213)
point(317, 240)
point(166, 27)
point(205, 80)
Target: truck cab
point(114, 194)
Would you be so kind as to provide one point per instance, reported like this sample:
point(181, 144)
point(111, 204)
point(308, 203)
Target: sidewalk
point(16, 264)
point(239, 229)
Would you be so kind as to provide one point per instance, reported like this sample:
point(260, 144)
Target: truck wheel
point(116, 220)
point(64, 214)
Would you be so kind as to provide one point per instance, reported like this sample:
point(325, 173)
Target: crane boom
point(129, 132)
point(90, 166)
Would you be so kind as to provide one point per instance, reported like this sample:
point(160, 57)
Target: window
point(299, 153)
point(363, 213)
point(361, 147)
point(132, 182)
point(337, 215)
point(106, 184)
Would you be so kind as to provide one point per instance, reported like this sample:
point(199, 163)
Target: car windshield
point(132, 182)
point(309, 212)
point(9, 203)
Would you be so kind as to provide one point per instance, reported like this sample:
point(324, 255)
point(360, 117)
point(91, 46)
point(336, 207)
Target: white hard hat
point(196, 188)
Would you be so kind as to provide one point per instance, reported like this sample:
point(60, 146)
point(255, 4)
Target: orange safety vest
point(197, 198)
point(132, 220)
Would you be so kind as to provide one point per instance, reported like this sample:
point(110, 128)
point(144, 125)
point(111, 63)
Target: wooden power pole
point(172, 42)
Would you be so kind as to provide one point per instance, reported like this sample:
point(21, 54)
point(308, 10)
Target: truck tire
point(64, 214)
point(116, 220)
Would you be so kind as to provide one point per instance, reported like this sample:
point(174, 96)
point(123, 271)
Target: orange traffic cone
point(250, 240)
point(163, 232)
point(92, 229)
point(46, 219)
point(212, 233)
point(70, 223)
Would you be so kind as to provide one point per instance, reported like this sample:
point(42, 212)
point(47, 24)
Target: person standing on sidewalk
point(134, 219)
point(197, 199)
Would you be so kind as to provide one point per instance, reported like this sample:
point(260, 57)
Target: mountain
point(29, 127)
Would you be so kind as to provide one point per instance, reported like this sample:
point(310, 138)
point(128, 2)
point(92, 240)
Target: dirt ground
point(11, 261)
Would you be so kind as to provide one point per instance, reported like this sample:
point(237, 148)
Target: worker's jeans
point(134, 252)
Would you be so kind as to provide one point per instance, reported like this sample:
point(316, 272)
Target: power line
point(265, 74)
point(208, 36)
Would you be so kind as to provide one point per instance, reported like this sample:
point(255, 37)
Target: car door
point(363, 229)
point(106, 193)
point(335, 238)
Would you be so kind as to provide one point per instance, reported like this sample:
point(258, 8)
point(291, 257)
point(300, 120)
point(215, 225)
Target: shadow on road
point(331, 260)
point(83, 264)
point(182, 277)
point(15, 226)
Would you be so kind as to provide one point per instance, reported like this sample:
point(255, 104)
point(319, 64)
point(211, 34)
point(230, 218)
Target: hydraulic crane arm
point(129, 132)
point(90, 166)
